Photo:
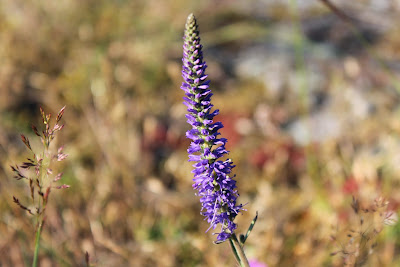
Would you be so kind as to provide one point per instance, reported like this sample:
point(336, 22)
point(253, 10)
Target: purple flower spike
point(212, 177)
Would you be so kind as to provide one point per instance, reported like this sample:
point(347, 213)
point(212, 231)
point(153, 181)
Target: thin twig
point(337, 11)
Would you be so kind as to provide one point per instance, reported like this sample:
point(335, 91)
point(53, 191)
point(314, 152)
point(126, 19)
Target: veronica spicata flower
point(212, 177)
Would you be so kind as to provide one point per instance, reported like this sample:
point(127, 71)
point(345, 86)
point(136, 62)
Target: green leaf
point(244, 238)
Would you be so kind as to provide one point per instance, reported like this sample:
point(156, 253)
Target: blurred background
point(308, 93)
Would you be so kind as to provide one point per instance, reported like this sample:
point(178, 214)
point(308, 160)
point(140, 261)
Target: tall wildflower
point(37, 170)
point(212, 177)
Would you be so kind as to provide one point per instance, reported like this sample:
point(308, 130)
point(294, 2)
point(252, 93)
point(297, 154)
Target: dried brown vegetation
point(310, 107)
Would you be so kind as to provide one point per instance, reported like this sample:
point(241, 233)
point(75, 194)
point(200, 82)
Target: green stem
point(238, 251)
point(234, 250)
point(37, 244)
point(41, 205)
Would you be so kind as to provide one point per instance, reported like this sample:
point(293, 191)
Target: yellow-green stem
point(37, 244)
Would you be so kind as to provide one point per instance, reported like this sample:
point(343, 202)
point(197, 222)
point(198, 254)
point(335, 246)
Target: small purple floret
point(212, 177)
